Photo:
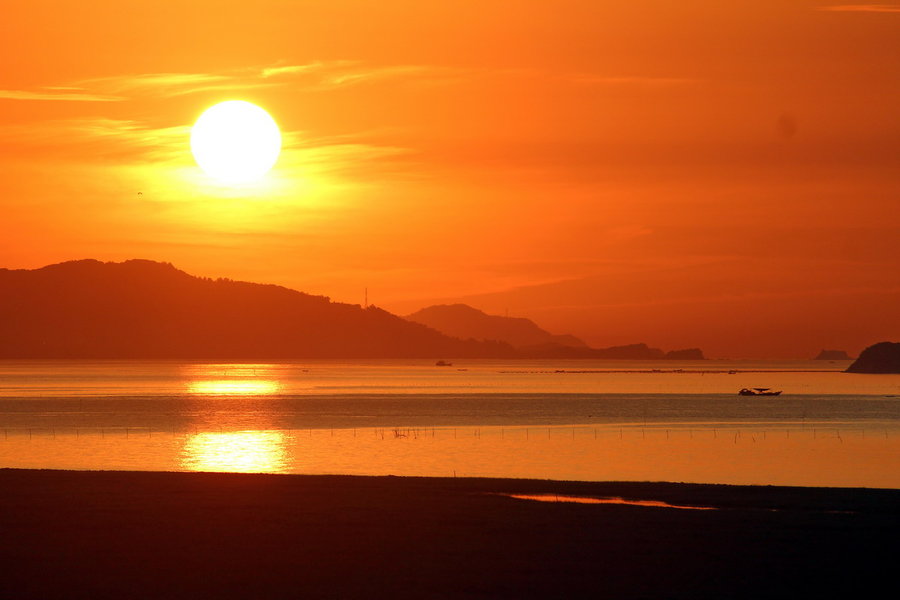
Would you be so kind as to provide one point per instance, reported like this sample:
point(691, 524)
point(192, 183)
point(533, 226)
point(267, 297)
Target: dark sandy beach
point(194, 535)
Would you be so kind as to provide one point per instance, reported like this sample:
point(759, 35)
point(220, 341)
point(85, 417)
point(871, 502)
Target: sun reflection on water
point(234, 387)
point(236, 452)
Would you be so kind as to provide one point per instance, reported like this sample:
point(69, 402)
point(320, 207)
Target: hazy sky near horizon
point(694, 173)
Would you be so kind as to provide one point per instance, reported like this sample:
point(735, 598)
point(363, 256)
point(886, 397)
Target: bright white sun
point(235, 142)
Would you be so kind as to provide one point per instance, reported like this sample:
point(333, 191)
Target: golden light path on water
point(236, 452)
point(365, 419)
point(763, 455)
point(234, 387)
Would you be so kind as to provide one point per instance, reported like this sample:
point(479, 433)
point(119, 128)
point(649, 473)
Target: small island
point(686, 354)
point(833, 355)
point(883, 357)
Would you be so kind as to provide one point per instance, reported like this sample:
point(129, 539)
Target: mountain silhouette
point(686, 354)
point(464, 322)
point(147, 309)
point(880, 358)
point(832, 355)
point(626, 352)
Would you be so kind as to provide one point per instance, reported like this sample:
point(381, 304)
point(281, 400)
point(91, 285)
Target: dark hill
point(464, 322)
point(146, 309)
point(832, 355)
point(626, 352)
point(883, 357)
point(686, 354)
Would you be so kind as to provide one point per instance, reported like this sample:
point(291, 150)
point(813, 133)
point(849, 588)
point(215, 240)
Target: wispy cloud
point(134, 137)
point(131, 142)
point(878, 8)
point(347, 77)
point(330, 75)
point(99, 137)
point(172, 84)
point(279, 71)
point(632, 80)
point(64, 94)
point(316, 76)
point(324, 76)
point(342, 157)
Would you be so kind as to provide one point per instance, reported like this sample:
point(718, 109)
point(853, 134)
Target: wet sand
point(68, 534)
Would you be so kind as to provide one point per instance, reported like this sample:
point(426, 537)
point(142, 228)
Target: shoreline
point(108, 534)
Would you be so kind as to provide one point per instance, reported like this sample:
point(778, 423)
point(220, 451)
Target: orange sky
point(695, 173)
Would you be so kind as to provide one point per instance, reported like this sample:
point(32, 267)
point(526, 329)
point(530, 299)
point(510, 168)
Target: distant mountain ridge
point(832, 355)
point(464, 322)
point(142, 309)
point(147, 309)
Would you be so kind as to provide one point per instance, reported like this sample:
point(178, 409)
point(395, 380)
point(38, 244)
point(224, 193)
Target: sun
point(235, 142)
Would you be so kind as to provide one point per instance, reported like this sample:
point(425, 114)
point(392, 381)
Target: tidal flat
point(71, 534)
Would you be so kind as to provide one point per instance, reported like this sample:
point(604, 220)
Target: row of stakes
point(416, 433)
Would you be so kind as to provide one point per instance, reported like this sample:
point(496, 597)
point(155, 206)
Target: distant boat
point(758, 392)
point(443, 363)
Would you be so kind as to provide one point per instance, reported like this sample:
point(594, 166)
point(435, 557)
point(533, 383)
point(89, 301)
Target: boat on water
point(443, 363)
point(759, 392)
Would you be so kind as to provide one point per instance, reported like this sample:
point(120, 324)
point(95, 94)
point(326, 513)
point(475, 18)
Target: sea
point(546, 419)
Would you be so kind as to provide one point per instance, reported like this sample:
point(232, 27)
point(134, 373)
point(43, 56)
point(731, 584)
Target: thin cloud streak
point(172, 84)
point(636, 80)
point(119, 137)
point(63, 96)
point(338, 74)
point(316, 76)
point(134, 142)
point(876, 8)
point(280, 71)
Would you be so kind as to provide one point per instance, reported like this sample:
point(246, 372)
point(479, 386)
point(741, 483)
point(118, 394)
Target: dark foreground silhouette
point(883, 357)
point(180, 535)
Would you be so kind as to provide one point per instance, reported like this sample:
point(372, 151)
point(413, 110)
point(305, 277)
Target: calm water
point(593, 420)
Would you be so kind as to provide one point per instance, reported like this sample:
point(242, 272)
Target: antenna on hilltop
point(366, 301)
